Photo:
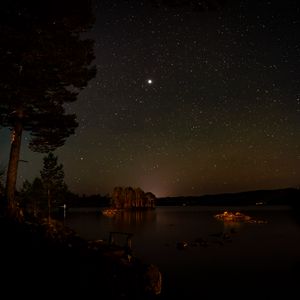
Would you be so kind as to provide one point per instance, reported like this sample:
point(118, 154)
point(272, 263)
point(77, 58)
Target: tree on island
point(44, 64)
point(132, 198)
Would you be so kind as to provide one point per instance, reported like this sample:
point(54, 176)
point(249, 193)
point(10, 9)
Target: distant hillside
point(289, 196)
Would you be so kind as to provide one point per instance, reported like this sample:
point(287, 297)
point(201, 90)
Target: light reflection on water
point(133, 219)
point(253, 251)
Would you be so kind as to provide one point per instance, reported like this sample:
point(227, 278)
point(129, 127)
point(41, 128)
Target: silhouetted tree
point(132, 198)
point(1, 183)
point(52, 176)
point(33, 197)
point(129, 197)
point(139, 196)
point(44, 64)
point(117, 197)
point(150, 199)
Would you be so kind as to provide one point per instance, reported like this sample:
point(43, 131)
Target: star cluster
point(188, 102)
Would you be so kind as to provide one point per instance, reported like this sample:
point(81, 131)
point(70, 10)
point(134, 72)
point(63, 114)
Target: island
point(132, 198)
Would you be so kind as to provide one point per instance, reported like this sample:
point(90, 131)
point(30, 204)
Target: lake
point(221, 259)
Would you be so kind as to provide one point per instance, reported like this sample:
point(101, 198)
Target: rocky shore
point(41, 259)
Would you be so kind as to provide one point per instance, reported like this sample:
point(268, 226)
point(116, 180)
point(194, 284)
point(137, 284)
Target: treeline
point(45, 193)
point(129, 197)
point(97, 200)
point(48, 194)
point(289, 196)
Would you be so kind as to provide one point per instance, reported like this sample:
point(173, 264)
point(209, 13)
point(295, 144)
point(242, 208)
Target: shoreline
point(37, 257)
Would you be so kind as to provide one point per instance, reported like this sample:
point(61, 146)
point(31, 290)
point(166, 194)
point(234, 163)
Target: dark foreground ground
point(39, 263)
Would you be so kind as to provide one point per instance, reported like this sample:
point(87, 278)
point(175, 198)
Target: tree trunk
point(34, 208)
point(11, 178)
point(49, 205)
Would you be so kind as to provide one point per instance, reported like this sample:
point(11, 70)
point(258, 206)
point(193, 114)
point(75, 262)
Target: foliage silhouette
point(44, 64)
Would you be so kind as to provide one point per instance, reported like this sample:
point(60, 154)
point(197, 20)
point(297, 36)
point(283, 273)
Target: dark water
point(258, 260)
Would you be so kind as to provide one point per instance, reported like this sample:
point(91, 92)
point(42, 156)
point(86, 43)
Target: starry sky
point(185, 101)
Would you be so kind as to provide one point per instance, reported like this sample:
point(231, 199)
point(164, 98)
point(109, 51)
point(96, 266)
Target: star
point(167, 105)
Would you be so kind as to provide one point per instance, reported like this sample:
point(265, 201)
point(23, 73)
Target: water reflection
point(214, 254)
point(232, 226)
point(135, 217)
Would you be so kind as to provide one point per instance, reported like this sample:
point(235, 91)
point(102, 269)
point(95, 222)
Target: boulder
point(152, 280)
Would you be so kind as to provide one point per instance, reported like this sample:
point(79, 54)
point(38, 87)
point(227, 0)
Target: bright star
point(149, 81)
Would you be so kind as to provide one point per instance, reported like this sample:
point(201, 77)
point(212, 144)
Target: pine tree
point(44, 64)
point(32, 197)
point(52, 176)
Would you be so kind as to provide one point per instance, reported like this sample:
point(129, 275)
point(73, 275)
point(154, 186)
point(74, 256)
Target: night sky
point(186, 102)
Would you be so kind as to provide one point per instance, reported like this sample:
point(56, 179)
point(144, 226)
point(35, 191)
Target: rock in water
point(152, 280)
